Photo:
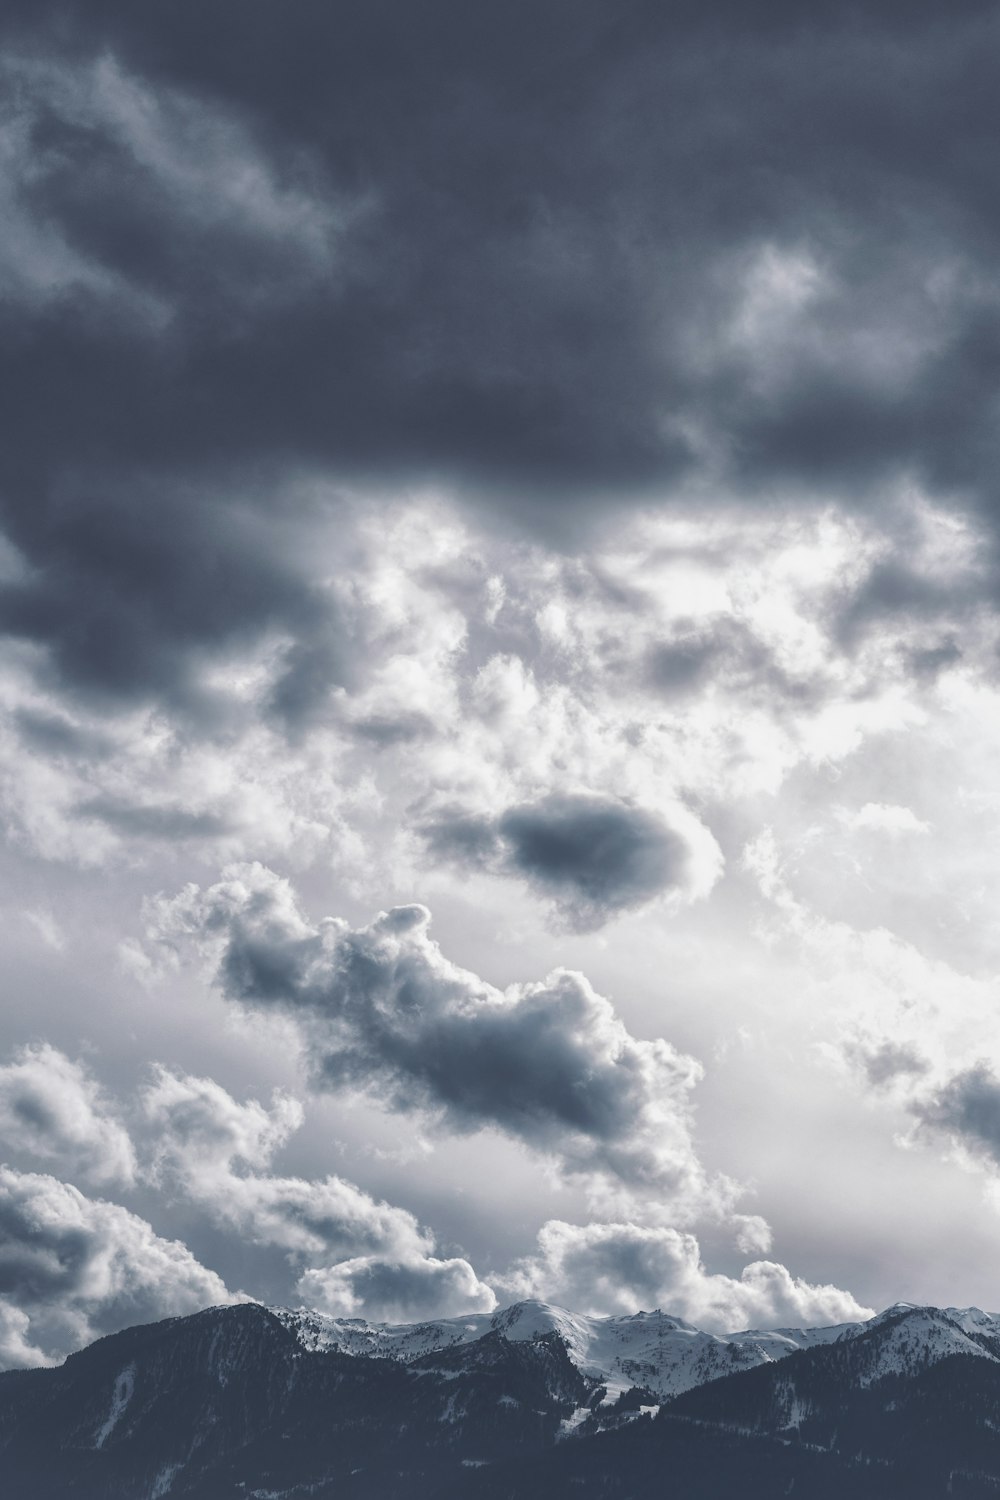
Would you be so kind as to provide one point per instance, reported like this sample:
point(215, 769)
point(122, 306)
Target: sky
point(500, 682)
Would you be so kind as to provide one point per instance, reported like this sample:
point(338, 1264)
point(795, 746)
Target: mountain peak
point(243, 1400)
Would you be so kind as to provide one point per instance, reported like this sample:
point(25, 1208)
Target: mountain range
point(247, 1402)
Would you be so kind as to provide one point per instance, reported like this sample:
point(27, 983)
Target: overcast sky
point(500, 687)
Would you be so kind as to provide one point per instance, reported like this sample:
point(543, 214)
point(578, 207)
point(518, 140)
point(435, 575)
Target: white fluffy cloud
point(73, 1268)
point(614, 1268)
point(17, 1352)
point(647, 694)
point(884, 817)
point(359, 1254)
point(684, 660)
point(52, 1109)
point(199, 1130)
point(404, 1291)
point(216, 1149)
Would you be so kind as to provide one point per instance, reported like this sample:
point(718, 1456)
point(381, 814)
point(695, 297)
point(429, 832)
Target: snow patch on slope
point(318, 1332)
point(660, 1353)
point(653, 1350)
point(923, 1336)
point(163, 1482)
point(121, 1395)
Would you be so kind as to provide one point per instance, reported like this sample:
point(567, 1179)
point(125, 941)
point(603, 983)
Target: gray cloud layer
point(568, 183)
point(560, 253)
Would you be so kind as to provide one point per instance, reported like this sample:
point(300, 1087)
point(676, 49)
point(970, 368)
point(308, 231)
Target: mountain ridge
point(654, 1350)
point(245, 1402)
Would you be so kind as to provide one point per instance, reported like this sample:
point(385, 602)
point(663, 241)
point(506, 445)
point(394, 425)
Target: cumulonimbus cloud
point(382, 1009)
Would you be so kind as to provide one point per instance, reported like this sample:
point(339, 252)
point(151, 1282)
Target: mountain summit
point(255, 1403)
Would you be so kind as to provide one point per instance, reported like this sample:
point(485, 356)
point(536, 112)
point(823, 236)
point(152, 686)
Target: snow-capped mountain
point(661, 1354)
point(658, 1353)
point(245, 1403)
point(912, 1338)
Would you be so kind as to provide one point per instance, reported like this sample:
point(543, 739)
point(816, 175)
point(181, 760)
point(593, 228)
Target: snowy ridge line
point(652, 1350)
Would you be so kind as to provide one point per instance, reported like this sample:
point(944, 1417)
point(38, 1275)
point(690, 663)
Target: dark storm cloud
point(595, 857)
point(131, 596)
point(141, 549)
point(895, 588)
point(382, 1009)
point(967, 1108)
point(606, 855)
point(964, 1110)
point(551, 252)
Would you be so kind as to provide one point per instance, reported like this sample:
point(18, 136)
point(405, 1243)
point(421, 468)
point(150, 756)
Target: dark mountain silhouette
point(231, 1404)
